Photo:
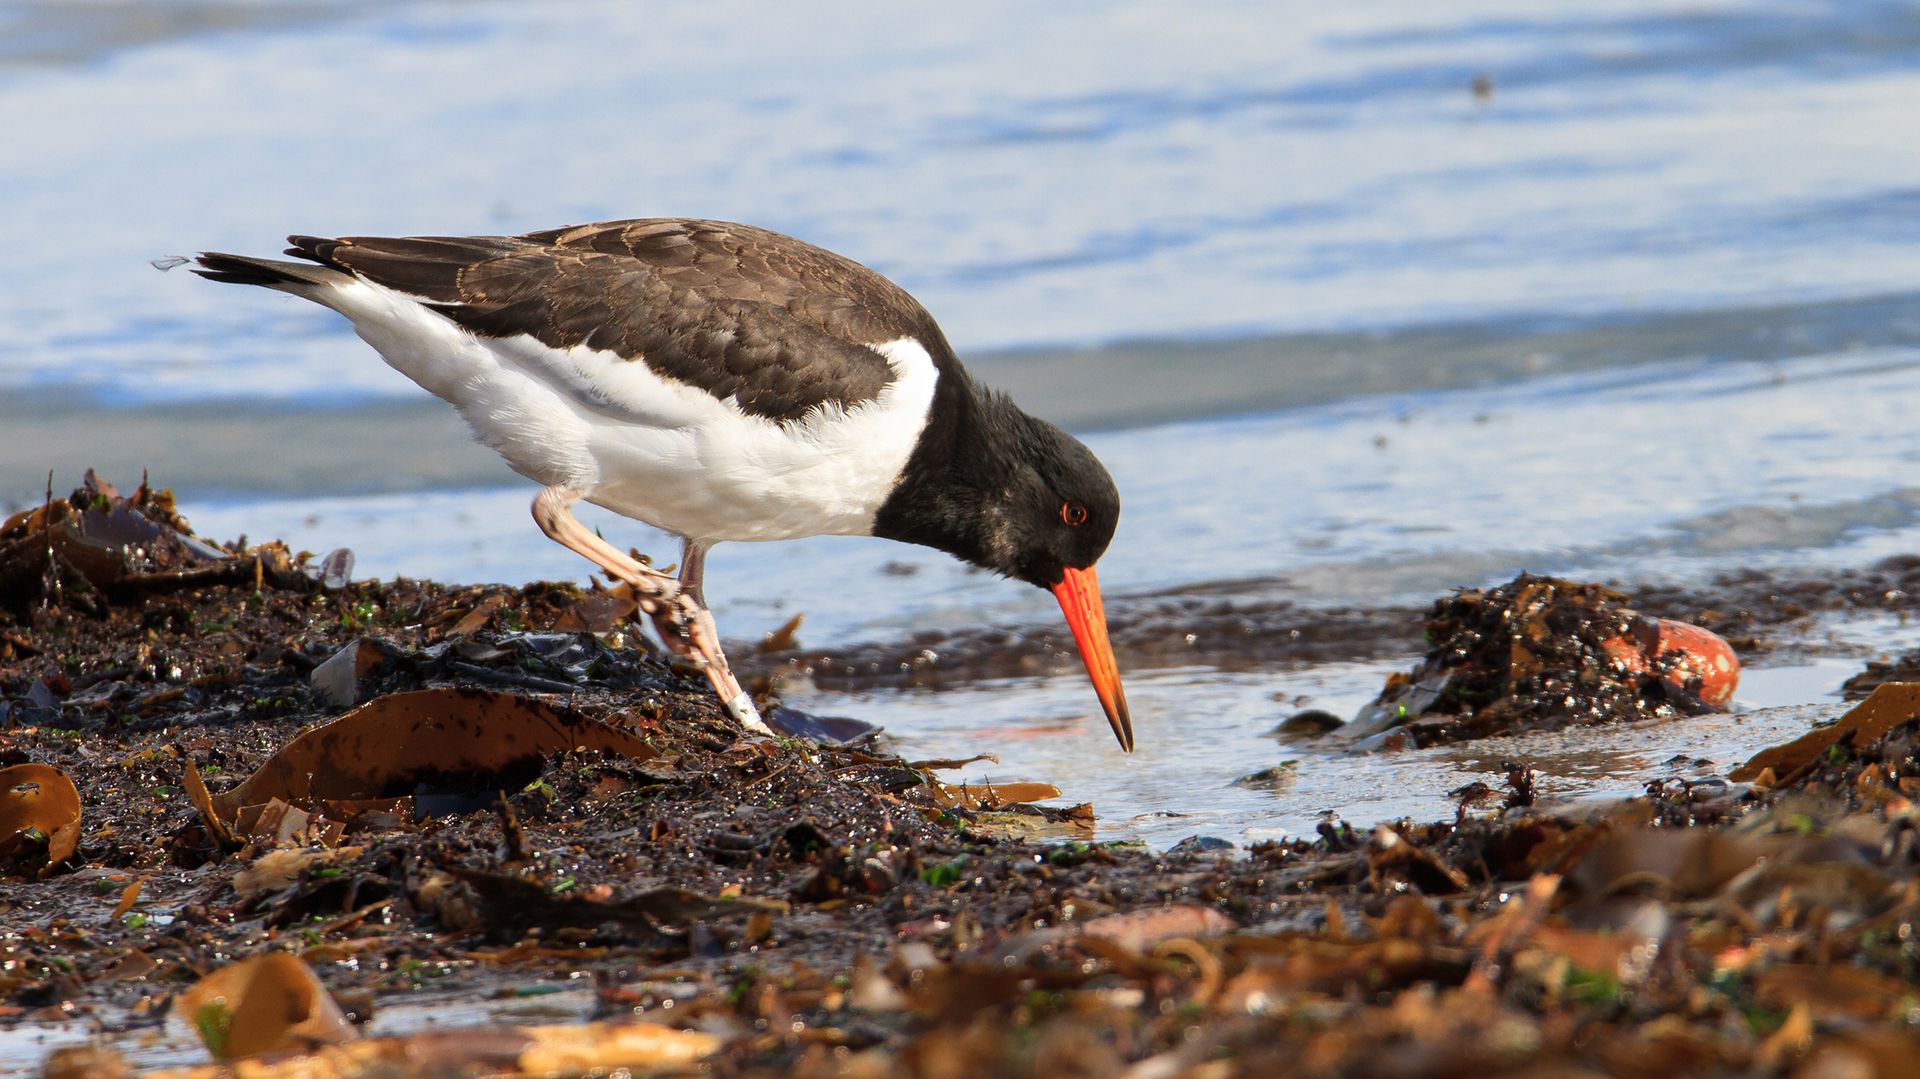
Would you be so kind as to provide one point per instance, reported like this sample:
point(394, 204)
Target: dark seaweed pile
point(1536, 653)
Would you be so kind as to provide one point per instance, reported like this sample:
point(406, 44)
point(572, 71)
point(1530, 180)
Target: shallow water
point(1645, 312)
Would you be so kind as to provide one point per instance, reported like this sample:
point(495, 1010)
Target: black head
point(1009, 493)
point(1058, 508)
point(1000, 489)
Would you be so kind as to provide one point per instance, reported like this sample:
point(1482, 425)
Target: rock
point(1309, 724)
point(1202, 844)
point(1278, 778)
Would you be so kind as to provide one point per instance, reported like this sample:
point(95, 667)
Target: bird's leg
point(679, 616)
point(552, 511)
point(697, 622)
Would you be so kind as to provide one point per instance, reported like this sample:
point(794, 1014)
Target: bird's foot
point(688, 630)
point(741, 708)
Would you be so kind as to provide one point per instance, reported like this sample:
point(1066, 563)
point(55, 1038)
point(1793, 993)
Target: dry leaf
point(35, 798)
point(382, 748)
point(278, 869)
point(1893, 704)
point(599, 612)
point(258, 1005)
point(991, 795)
point(203, 801)
point(128, 897)
point(277, 822)
point(476, 620)
point(574, 1049)
point(607, 1047)
point(1833, 993)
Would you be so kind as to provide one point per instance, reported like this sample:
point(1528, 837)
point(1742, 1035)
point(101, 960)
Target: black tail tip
point(246, 270)
point(234, 269)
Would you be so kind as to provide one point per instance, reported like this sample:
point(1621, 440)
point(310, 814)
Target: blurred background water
point(1359, 302)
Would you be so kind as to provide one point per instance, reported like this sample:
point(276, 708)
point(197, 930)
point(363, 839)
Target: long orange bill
point(1079, 596)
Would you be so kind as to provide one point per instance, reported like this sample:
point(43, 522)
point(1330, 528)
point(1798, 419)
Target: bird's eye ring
point(1073, 513)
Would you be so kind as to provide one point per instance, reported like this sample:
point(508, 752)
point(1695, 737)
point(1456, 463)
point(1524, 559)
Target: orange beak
point(1079, 596)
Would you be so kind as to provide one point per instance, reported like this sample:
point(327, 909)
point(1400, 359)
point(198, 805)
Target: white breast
point(653, 449)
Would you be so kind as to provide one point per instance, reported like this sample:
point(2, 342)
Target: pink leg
point(681, 618)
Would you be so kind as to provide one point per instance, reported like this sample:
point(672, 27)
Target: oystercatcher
point(721, 382)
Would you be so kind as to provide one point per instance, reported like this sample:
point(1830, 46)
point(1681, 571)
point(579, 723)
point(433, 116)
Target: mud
point(826, 908)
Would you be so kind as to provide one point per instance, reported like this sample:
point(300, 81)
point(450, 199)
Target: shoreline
point(254, 446)
point(814, 908)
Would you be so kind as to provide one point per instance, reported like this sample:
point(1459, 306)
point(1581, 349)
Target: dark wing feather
point(780, 326)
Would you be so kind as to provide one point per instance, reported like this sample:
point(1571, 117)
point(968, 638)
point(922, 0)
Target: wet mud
point(358, 796)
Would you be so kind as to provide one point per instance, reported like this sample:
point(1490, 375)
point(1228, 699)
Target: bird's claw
point(744, 713)
point(687, 629)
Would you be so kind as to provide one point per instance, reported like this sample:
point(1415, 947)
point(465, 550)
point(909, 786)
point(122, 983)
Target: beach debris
point(1204, 844)
point(39, 816)
point(334, 570)
point(217, 828)
point(390, 746)
point(1140, 930)
point(783, 639)
point(1687, 657)
point(281, 868)
point(1311, 723)
point(829, 730)
point(480, 615)
point(1275, 779)
point(347, 677)
point(259, 1005)
point(601, 610)
point(1892, 706)
point(609, 1048)
point(811, 909)
point(1030, 821)
point(1902, 668)
point(98, 543)
point(1542, 653)
point(990, 795)
point(509, 906)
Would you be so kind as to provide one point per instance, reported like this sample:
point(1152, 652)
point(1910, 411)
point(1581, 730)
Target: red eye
point(1073, 513)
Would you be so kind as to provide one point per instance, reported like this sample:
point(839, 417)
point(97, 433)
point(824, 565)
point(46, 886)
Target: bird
point(721, 382)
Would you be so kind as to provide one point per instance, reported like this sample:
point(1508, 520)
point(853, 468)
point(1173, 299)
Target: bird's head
point(1061, 511)
point(1025, 499)
point(1054, 510)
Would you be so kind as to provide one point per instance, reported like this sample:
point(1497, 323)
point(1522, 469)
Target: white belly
point(650, 448)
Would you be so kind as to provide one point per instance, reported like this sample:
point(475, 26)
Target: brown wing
point(781, 326)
